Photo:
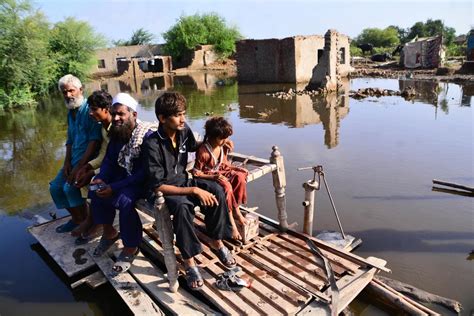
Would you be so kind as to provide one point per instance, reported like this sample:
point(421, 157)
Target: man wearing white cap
point(120, 181)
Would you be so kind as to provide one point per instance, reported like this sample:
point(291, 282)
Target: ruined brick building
point(317, 60)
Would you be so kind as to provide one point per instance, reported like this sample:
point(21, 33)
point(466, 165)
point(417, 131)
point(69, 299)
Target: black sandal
point(226, 258)
point(194, 276)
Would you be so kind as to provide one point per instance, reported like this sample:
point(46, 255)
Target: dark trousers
point(103, 212)
point(216, 217)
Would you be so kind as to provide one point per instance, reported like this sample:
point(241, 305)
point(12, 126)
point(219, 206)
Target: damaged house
point(426, 52)
point(314, 59)
point(136, 60)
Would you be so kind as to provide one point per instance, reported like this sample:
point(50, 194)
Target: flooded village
point(360, 185)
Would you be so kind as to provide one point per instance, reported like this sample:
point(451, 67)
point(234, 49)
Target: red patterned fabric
point(235, 186)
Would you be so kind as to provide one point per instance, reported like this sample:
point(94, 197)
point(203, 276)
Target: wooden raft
point(285, 276)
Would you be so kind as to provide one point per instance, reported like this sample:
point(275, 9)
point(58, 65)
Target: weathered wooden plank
point(289, 293)
point(259, 304)
point(259, 172)
point(302, 263)
point(93, 280)
point(128, 289)
point(61, 247)
point(349, 287)
point(154, 281)
point(296, 249)
point(285, 268)
point(250, 159)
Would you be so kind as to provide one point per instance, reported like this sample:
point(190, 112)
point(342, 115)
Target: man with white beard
point(83, 140)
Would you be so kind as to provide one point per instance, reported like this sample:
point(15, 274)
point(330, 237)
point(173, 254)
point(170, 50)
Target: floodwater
point(379, 155)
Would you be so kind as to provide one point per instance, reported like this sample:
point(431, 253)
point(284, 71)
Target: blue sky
point(117, 19)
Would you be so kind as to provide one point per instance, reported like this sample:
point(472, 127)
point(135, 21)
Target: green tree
point(205, 29)
point(387, 37)
point(402, 33)
point(73, 44)
point(432, 28)
point(26, 68)
point(139, 37)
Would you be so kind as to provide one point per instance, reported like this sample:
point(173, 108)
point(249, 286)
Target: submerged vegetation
point(34, 54)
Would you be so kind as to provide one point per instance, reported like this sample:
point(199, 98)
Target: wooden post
point(165, 231)
point(279, 183)
point(310, 188)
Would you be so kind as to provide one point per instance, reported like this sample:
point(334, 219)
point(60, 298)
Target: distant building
point(200, 57)
point(293, 59)
point(111, 61)
point(426, 52)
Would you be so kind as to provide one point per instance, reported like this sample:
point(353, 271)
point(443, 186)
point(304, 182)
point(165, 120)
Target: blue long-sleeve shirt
point(115, 175)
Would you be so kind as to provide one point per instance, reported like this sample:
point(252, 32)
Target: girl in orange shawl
point(212, 164)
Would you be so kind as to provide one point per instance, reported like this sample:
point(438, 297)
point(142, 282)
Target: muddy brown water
point(379, 154)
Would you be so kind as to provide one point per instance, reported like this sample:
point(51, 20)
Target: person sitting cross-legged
point(166, 157)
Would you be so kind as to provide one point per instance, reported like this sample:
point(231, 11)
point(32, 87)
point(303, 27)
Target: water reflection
point(467, 93)
point(301, 110)
point(31, 150)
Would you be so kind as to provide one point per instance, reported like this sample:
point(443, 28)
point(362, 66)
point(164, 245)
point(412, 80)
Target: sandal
point(84, 239)
point(226, 258)
point(104, 245)
point(194, 276)
point(229, 281)
point(124, 262)
point(66, 227)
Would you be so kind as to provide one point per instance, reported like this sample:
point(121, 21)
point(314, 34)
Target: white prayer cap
point(125, 99)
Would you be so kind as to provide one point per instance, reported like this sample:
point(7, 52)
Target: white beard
point(74, 103)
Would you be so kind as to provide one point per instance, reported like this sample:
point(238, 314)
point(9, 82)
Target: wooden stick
point(396, 300)
point(454, 185)
point(451, 191)
point(421, 295)
point(406, 298)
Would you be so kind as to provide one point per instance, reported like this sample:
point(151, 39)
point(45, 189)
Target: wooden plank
point(250, 298)
point(154, 281)
point(259, 172)
point(349, 287)
point(250, 159)
point(304, 256)
point(93, 280)
point(128, 289)
point(339, 265)
point(61, 247)
point(300, 261)
point(292, 296)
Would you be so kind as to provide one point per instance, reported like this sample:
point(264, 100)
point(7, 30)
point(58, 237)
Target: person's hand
point(220, 177)
point(67, 169)
point(206, 198)
point(229, 145)
point(106, 190)
point(83, 177)
point(72, 175)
